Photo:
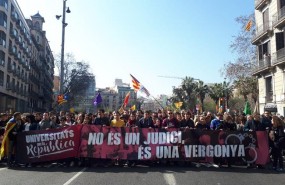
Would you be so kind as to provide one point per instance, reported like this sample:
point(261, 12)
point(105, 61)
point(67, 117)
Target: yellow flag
point(133, 107)
point(178, 104)
point(248, 25)
point(121, 110)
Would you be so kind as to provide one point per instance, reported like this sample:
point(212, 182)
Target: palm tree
point(201, 91)
point(227, 91)
point(216, 92)
point(186, 93)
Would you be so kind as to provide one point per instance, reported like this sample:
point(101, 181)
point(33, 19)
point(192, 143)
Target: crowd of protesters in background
point(273, 124)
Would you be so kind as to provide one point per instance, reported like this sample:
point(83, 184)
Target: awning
point(270, 107)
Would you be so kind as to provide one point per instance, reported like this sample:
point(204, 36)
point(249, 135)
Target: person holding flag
point(8, 146)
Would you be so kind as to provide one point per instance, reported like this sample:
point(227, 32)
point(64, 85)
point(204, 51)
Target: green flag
point(247, 108)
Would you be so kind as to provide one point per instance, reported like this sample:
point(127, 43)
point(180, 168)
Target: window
point(269, 90)
point(263, 49)
point(2, 58)
point(4, 3)
point(8, 79)
point(1, 78)
point(3, 38)
point(37, 25)
point(3, 19)
point(279, 40)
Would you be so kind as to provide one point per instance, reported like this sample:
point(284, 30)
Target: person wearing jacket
point(277, 142)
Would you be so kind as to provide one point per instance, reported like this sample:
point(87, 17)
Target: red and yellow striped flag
point(248, 25)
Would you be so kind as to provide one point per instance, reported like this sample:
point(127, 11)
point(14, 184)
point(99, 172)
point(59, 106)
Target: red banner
point(173, 144)
point(47, 145)
point(142, 144)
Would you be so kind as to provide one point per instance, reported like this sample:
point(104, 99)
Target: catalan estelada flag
point(248, 25)
point(137, 86)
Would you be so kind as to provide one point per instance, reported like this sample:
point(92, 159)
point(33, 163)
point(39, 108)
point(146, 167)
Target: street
point(140, 175)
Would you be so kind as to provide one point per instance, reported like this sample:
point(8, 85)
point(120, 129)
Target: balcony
point(14, 16)
point(11, 69)
point(259, 4)
point(13, 33)
point(263, 65)
point(8, 86)
point(19, 40)
point(262, 32)
point(13, 88)
point(278, 19)
point(278, 58)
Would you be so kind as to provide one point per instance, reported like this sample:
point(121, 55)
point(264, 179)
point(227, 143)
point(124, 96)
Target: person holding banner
point(101, 119)
point(117, 122)
point(46, 123)
point(277, 142)
point(170, 121)
point(145, 121)
point(8, 146)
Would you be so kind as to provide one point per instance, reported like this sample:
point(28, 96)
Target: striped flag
point(126, 100)
point(137, 86)
point(136, 83)
point(248, 25)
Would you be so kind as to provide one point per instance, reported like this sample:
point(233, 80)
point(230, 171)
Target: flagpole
point(157, 101)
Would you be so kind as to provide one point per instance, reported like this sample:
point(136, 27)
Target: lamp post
point(64, 24)
point(226, 98)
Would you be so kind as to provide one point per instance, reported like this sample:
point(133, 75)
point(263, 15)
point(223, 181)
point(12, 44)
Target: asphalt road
point(140, 175)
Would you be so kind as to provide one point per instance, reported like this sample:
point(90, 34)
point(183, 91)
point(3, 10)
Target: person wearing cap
point(10, 136)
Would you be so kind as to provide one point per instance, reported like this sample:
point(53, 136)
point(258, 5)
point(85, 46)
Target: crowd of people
point(274, 125)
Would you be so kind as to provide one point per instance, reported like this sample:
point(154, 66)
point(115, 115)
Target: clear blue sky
point(146, 38)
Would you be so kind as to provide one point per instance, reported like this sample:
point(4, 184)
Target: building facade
point(113, 97)
point(26, 64)
point(270, 68)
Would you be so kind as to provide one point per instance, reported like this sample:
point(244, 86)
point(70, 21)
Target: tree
point(201, 91)
point(245, 51)
point(77, 79)
point(240, 70)
point(216, 92)
point(186, 93)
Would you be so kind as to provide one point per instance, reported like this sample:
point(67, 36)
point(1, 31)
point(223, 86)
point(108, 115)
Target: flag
point(247, 110)
point(61, 98)
point(126, 101)
point(248, 25)
point(121, 110)
point(6, 142)
point(98, 99)
point(136, 83)
point(178, 104)
point(137, 86)
point(133, 107)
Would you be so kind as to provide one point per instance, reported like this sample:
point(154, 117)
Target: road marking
point(2, 169)
point(75, 176)
point(169, 178)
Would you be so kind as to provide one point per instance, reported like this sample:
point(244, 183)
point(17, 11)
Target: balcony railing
point(263, 64)
point(278, 57)
point(260, 3)
point(261, 31)
point(278, 19)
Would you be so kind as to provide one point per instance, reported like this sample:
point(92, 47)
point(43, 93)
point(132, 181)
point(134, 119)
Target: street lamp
point(226, 98)
point(64, 24)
